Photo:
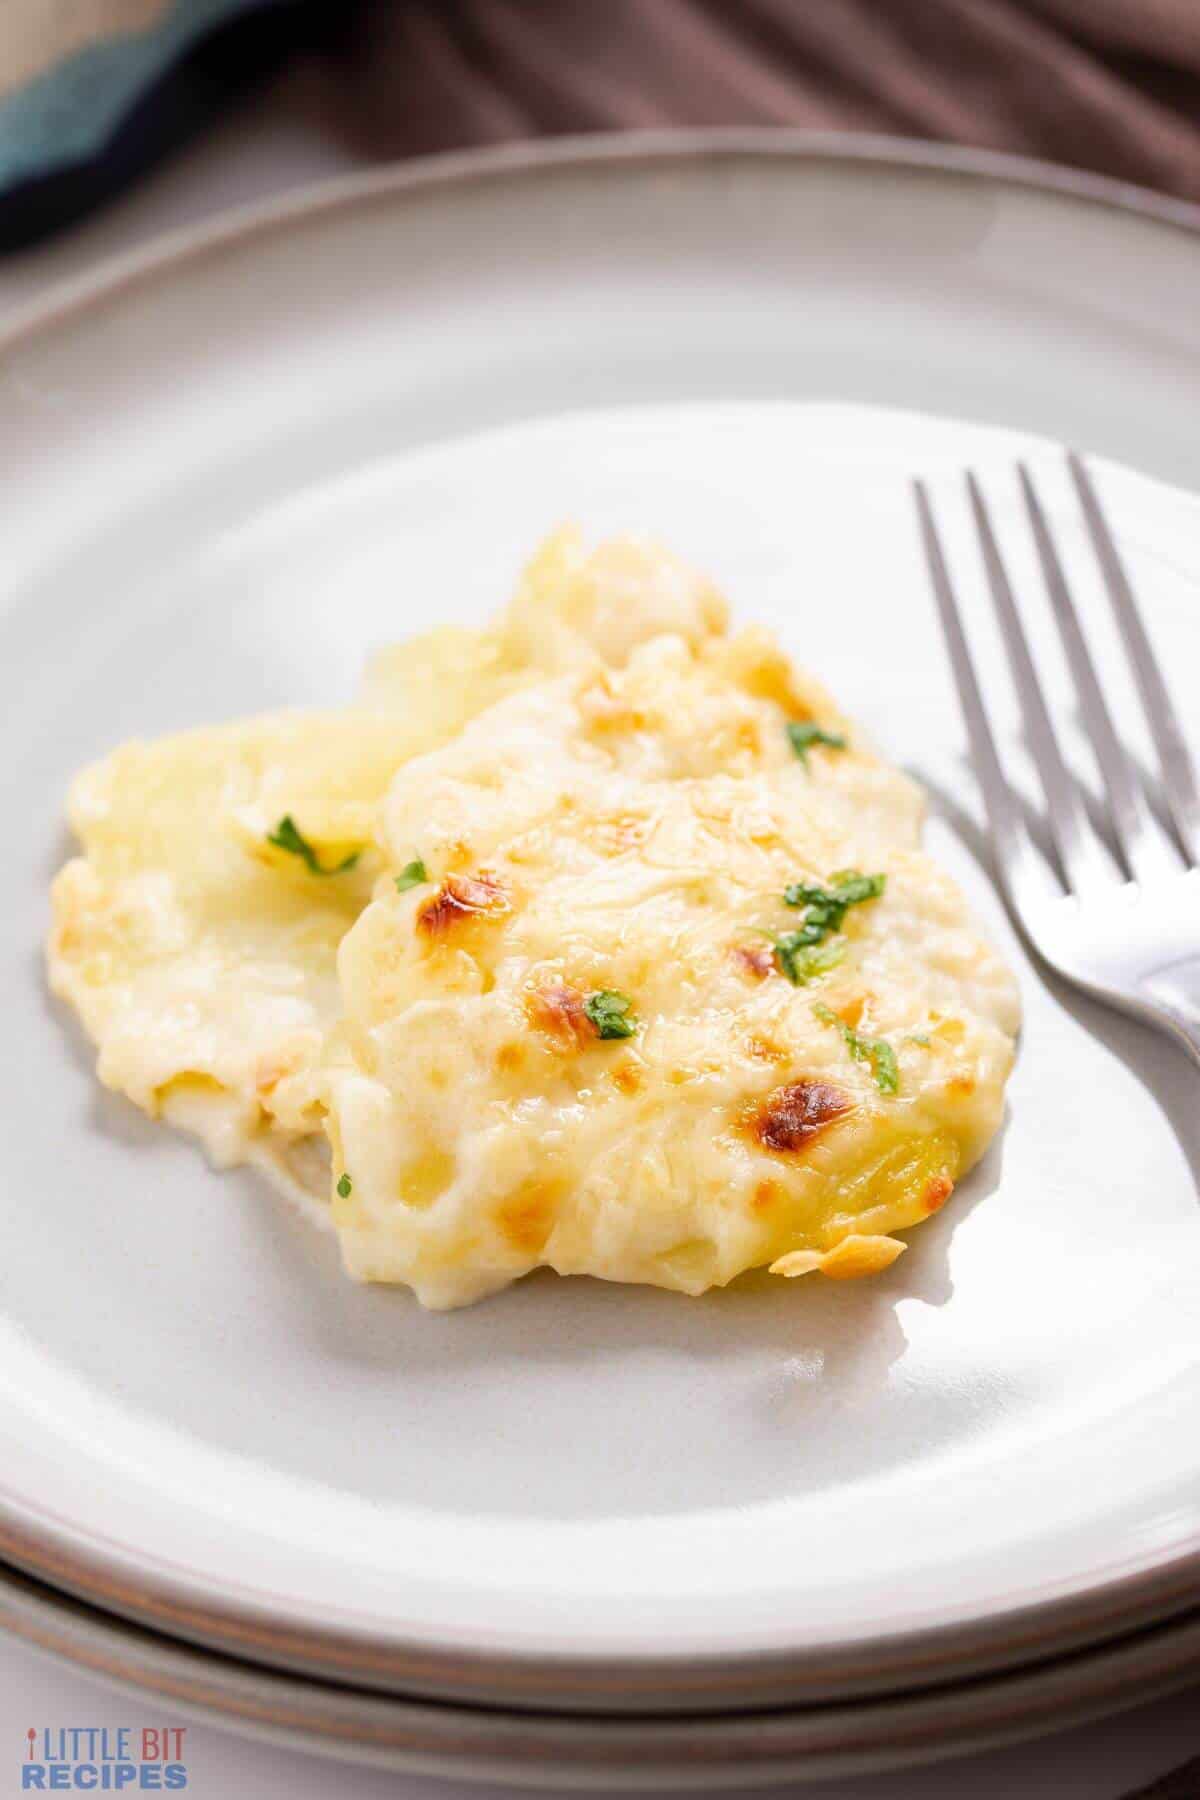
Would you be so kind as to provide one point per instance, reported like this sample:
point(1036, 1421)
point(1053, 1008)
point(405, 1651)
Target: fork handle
point(1175, 995)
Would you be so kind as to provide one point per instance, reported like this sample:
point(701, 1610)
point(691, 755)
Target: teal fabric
point(68, 113)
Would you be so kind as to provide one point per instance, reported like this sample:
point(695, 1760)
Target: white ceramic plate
point(229, 473)
point(564, 1752)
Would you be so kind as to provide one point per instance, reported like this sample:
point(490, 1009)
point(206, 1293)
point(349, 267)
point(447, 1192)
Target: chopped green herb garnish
point(803, 954)
point(826, 907)
point(852, 887)
point(344, 1186)
point(880, 1056)
point(804, 734)
point(884, 1066)
point(802, 961)
point(610, 1012)
point(287, 836)
point(411, 875)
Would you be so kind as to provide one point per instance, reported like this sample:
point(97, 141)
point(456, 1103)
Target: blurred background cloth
point(94, 92)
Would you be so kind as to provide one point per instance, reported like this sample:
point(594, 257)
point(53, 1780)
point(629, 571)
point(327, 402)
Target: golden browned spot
point(756, 959)
point(746, 736)
point(936, 1193)
point(558, 1012)
point(765, 1194)
point(509, 1057)
point(526, 1216)
point(766, 1050)
point(791, 1117)
point(962, 1085)
point(461, 898)
point(627, 1076)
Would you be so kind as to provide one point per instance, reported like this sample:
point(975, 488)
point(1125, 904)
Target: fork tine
point(1010, 838)
point(1077, 844)
point(1178, 772)
point(1144, 849)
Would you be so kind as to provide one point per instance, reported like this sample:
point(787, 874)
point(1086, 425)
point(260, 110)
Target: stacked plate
point(588, 1533)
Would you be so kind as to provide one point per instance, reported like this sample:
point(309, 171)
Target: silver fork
point(1130, 936)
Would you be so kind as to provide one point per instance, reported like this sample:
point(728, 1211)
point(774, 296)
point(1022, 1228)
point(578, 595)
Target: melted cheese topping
point(634, 831)
point(200, 958)
point(604, 796)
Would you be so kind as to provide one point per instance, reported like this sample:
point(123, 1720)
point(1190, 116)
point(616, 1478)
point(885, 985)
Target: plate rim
point(118, 272)
point(184, 1605)
point(711, 1751)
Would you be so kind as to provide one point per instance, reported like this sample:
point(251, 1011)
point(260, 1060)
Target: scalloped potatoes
point(595, 940)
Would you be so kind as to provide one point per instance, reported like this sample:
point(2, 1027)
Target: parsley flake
point(825, 908)
point(803, 734)
point(411, 875)
point(344, 1187)
point(611, 1013)
point(288, 836)
point(879, 1055)
point(803, 961)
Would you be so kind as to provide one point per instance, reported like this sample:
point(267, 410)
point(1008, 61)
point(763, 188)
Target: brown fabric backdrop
point(1112, 85)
